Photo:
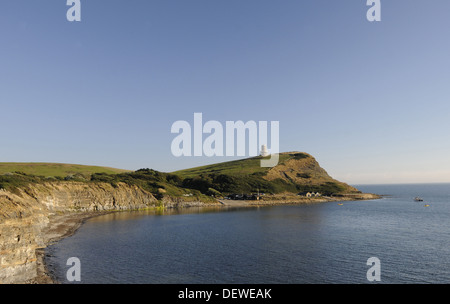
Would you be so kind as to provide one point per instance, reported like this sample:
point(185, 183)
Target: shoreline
point(65, 225)
point(296, 200)
point(61, 226)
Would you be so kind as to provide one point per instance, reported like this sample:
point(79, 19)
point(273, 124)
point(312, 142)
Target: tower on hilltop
point(264, 151)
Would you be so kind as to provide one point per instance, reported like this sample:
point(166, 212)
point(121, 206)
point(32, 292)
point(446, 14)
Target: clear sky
point(371, 101)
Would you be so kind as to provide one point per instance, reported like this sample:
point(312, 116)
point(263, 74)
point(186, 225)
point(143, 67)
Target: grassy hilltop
point(55, 169)
point(235, 167)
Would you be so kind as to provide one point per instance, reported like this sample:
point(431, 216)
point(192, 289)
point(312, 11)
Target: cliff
point(303, 169)
point(28, 214)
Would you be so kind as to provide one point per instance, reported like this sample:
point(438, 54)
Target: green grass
point(55, 169)
point(236, 167)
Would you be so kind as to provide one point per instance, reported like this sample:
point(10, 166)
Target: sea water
point(312, 243)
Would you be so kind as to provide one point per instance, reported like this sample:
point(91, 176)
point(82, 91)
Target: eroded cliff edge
point(27, 218)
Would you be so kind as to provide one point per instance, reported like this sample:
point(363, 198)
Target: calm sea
point(317, 243)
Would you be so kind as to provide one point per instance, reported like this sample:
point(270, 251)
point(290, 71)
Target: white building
point(264, 151)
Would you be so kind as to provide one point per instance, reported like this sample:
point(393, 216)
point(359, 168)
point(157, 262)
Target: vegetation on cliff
point(296, 172)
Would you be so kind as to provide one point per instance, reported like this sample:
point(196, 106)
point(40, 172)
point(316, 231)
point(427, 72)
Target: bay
point(295, 244)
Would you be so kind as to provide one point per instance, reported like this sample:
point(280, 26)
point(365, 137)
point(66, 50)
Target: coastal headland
point(36, 211)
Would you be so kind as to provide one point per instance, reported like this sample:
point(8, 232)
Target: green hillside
point(241, 166)
point(55, 169)
point(295, 172)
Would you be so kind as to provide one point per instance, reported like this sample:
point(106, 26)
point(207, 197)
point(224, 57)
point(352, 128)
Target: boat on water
point(418, 199)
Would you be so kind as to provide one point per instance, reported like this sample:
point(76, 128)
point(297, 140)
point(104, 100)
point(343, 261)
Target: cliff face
point(303, 169)
point(25, 214)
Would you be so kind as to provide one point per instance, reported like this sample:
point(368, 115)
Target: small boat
point(340, 204)
point(418, 199)
point(427, 206)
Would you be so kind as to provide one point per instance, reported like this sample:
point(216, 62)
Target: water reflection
point(130, 215)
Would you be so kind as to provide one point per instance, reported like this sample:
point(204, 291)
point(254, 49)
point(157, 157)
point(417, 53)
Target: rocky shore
point(60, 226)
point(33, 218)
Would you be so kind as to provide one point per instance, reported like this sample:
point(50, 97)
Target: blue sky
point(371, 101)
